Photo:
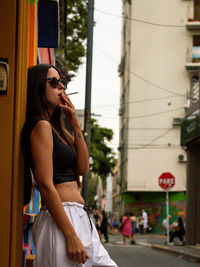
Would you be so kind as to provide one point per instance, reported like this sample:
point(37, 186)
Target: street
point(143, 255)
point(139, 256)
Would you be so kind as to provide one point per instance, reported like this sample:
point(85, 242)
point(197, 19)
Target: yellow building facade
point(14, 45)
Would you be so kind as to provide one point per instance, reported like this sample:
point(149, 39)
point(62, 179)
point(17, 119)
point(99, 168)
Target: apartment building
point(190, 130)
point(157, 52)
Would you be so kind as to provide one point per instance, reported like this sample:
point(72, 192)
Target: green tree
point(102, 154)
point(73, 34)
point(93, 182)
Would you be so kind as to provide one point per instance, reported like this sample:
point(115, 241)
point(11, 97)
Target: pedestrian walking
point(126, 227)
point(164, 224)
point(141, 224)
point(133, 228)
point(145, 218)
point(114, 224)
point(63, 232)
point(104, 225)
point(97, 220)
point(178, 231)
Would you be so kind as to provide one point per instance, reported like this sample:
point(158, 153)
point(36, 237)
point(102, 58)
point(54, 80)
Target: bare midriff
point(69, 192)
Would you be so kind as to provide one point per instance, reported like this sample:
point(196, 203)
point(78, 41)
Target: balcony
point(193, 25)
point(194, 97)
point(193, 59)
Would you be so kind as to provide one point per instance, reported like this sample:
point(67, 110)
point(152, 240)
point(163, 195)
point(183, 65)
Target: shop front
point(190, 139)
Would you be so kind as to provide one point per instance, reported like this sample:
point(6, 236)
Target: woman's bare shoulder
point(42, 129)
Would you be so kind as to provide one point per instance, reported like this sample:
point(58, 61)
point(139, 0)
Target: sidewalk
point(156, 241)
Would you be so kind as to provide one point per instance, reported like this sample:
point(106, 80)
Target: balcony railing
point(193, 24)
point(193, 59)
point(194, 98)
point(194, 92)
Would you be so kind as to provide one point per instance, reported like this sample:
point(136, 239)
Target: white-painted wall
point(108, 206)
point(148, 165)
point(156, 54)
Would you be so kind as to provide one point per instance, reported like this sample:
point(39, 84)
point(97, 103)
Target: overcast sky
point(106, 58)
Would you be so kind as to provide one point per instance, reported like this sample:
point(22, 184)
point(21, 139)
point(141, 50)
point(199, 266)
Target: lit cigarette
point(72, 93)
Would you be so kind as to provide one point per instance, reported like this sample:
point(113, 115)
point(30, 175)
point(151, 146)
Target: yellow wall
point(13, 45)
point(33, 36)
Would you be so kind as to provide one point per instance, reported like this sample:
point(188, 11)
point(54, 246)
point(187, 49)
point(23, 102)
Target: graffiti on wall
point(157, 212)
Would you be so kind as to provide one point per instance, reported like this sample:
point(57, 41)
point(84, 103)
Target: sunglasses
point(54, 82)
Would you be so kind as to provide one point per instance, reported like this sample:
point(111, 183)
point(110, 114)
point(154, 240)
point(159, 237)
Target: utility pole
point(65, 26)
point(87, 124)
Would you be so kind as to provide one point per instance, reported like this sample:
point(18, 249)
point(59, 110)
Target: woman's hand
point(82, 160)
point(70, 111)
point(75, 250)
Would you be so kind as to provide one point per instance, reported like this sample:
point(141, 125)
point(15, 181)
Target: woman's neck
point(46, 116)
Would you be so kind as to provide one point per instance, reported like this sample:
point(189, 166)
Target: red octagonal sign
point(166, 181)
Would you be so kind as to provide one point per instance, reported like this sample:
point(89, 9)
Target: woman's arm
point(81, 151)
point(42, 148)
point(79, 144)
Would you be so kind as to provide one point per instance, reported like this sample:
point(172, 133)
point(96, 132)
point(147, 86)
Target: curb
point(144, 244)
point(187, 255)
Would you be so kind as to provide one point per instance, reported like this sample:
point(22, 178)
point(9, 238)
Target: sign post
point(166, 181)
point(167, 207)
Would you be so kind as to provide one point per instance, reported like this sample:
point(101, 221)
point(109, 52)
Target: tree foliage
point(73, 33)
point(103, 158)
point(93, 182)
point(102, 154)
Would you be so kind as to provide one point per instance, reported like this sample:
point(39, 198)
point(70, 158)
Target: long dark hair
point(36, 90)
point(37, 106)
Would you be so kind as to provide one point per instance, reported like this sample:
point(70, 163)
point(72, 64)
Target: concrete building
point(190, 137)
point(116, 182)
point(156, 46)
point(109, 183)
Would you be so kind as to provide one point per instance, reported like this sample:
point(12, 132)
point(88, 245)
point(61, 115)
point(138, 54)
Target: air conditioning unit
point(177, 121)
point(182, 158)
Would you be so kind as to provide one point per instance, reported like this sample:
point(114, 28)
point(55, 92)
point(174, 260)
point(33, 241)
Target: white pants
point(145, 223)
point(50, 242)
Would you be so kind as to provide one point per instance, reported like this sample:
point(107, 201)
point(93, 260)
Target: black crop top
point(63, 158)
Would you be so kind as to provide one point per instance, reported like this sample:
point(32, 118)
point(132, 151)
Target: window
point(197, 9)
point(196, 40)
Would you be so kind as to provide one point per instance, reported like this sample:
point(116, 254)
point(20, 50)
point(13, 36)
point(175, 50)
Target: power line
point(155, 147)
point(155, 85)
point(145, 137)
point(158, 146)
point(155, 114)
point(158, 137)
point(146, 115)
point(137, 101)
point(155, 139)
point(138, 20)
point(146, 128)
point(138, 76)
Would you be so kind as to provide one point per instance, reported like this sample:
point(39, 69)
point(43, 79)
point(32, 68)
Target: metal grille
point(194, 93)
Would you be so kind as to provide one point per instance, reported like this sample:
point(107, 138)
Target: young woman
point(63, 232)
point(126, 227)
point(114, 224)
point(178, 231)
point(134, 227)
